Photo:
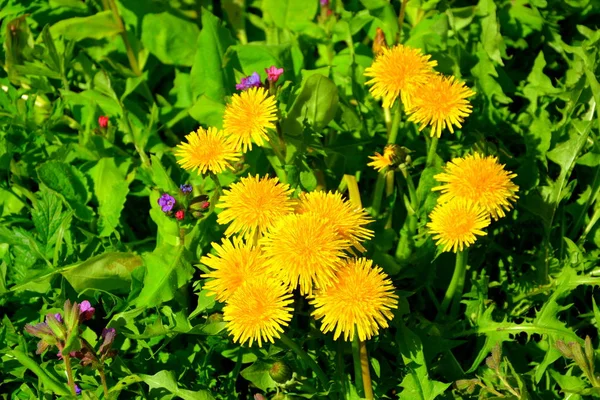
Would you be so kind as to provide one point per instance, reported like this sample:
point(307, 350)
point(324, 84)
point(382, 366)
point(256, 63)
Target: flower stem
point(406, 243)
point(366, 374)
point(401, 19)
point(340, 368)
point(307, 359)
point(103, 379)
point(358, 378)
point(431, 153)
point(457, 283)
point(130, 55)
point(67, 360)
point(393, 128)
point(378, 194)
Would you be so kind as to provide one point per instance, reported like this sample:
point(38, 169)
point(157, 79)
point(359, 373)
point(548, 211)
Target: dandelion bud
point(214, 318)
point(280, 372)
point(379, 42)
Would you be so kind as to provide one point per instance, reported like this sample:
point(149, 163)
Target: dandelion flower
point(206, 150)
point(480, 179)
point(347, 220)
point(258, 310)
point(442, 103)
point(362, 298)
point(387, 159)
point(456, 224)
point(248, 117)
point(304, 250)
point(252, 205)
point(235, 263)
point(398, 71)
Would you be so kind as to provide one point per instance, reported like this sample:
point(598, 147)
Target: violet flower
point(186, 189)
point(166, 202)
point(86, 311)
point(249, 82)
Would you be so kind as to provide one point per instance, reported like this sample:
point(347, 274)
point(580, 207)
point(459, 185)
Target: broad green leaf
point(208, 111)
point(257, 57)
point(48, 218)
point(109, 272)
point(69, 182)
point(97, 26)
point(294, 15)
point(166, 380)
point(490, 31)
point(46, 380)
point(316, 103)
point(111, 186)
point(258, 374)
point(166, 271)
point(161, 177)
point(211, 73)
point(171, 39)
point(417, 384)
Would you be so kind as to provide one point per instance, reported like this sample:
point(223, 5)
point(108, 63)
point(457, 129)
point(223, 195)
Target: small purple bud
point(58, 317)
point(324, 2)
point(166, 202)
point(249, 82)
point(186, 189)
point(108, 336)
point(86, 311)
point(77, 390)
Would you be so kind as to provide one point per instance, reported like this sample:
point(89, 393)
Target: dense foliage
point(104, 255)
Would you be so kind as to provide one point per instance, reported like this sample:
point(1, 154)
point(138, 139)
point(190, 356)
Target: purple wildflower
point(186, 189)
point(77, 390)
point(166, 202)
point(249, 82)
point(273, 73)
point(86, 310)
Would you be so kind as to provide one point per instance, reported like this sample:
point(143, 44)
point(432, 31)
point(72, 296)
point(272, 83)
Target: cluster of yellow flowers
point(275, 243)
point(474, 189)
point(247, 117)
point(283, 244)
point(429, 97)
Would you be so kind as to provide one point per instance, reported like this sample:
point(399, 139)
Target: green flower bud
point(215, 317)
point(280, 372)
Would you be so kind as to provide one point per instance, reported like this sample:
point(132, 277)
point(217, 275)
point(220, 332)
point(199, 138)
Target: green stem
point(431, 153)
point(393, 129)
point(401, 20)
point(103, 379)
point(378, 194)
point(130, 55)
point(590, 225)
point(406, 243)
point(340, 367)
point(366, 373)
point(67, 360)
point(358, 379)
point(454, 292)
point(307, 359)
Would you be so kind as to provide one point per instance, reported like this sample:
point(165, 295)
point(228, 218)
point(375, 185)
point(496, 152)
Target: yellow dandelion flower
point(362, 298)
point(347, 220)
point(252, 205)
point(387, 159)
point(248, 117)
point(441, 102)
point(258, 310)
point(480, 179)
point(304, 250)
point(206, 150)
point(456, 224)
point(398, 71)
point(235, 263)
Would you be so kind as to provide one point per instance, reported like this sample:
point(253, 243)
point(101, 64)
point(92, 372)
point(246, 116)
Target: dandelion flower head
point(257, 311)
point(398, 71)
point(248, 116)
point(304, 250)
point(347, 220)
point(385, 160)
point(455, 225)
point(481, 179)
point(362, 298)
point(253, 205)
point(235, 262)
point(442, 103)
point(206, 150)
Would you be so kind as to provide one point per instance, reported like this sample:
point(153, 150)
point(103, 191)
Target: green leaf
point(97, 26)
point(109, 272)
point(416, 384)
point(161, 177)
point(258, 374)
point(47, 380)
point(69, 182)
point(211, 73)
point(208, 111)
point(316, 103)
point(166, 271)
point(171, 39)
point(294, 15)
point(308, 180)
point(256, 57)
point(48, 218)
point(111, 187)
point(166, 380)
